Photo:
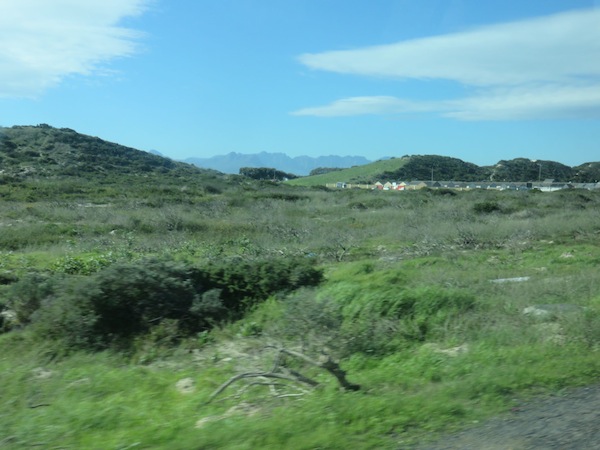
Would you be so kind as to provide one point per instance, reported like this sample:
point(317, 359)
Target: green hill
point(369, 173)
point(43, 163)
point(29, 151)
point(523, 169)
point(407, 168)
point(427, 167)
point(586, 173)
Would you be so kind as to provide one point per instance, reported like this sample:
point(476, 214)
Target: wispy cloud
point(355, 106)
point(42, 42)
point(546, 67)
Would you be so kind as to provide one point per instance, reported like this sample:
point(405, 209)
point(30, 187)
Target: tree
point(266, 173)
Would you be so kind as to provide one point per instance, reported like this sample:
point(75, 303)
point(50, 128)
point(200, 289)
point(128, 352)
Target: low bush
point(83, 265)
point(486, 207)
point(243, 284)
point(116, 305)
point(27, 294)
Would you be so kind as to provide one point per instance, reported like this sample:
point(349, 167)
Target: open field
point(418, 296)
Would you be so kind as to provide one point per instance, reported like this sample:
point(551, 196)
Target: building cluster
point(545, 185)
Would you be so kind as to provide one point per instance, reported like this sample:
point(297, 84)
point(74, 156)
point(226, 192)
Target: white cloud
point(528, 102)
point(539, 68)
point(42, 42)
point(354, 106)
point(515, 103)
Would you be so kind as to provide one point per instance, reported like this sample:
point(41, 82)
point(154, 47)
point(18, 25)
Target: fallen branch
point(325, 363)
point(247, 375)
point(329, 365)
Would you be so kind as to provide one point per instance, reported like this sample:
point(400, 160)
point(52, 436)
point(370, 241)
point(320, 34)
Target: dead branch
point(277, 372)
point(247, 375)
point(329, 365)
point(272, 387)
point(303, 379)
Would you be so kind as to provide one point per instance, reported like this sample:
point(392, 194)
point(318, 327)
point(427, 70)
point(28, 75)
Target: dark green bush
point(7, 278)
point(245, 283)
point(444, 192)
point(486, 207)
point(26, 295)
point(69, 319)
point(119, 303)
point(130, 299)
point(115, 306)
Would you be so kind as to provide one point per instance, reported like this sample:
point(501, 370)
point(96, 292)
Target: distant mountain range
point(299, 165)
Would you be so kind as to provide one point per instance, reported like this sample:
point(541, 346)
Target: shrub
point(27, 294)
point(119, 303)
point(243, 284)
point(7, 278)
point(68, 319)
point(115, 306)
point(486, 207)
point(415, 314)
point(131, 298)
point(318, 324)
point(311, 320)
point(78, 265)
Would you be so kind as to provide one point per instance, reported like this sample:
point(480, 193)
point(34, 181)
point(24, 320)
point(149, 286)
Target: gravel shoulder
point(569, 420)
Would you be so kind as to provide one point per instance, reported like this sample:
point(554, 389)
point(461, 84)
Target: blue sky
point(476, 80)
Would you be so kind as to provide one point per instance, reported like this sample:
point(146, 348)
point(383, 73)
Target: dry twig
point(280, 373)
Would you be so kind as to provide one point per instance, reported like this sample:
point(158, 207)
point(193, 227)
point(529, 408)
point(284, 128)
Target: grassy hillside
point(50, 152)
point(44, 163)
point(407, 168)
point(369, 173)
point(128, 302)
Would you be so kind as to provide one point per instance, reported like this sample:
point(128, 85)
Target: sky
point(478, 80)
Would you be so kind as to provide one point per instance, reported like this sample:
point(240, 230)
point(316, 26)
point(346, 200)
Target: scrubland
point(126, 305)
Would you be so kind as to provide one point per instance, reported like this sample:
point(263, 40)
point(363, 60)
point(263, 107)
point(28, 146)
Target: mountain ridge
point(299, 165)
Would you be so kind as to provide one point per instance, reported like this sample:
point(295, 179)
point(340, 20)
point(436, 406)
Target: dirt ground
point(569, 420)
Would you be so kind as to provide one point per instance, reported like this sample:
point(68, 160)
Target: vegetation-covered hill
point(523, 169)
point(427, 167)
point(61, 164)
point(368, 173)
point(54, 152)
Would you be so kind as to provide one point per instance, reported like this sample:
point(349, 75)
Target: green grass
point(367, 173)
point(94, 401)
point(406, 395)
point(101, 401)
